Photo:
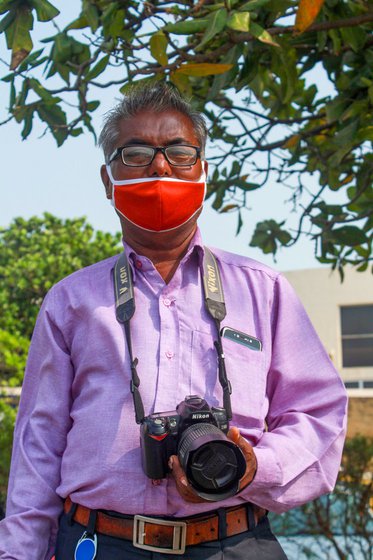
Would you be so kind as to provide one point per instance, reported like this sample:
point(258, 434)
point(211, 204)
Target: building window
point(357, 335)
point(359, 384)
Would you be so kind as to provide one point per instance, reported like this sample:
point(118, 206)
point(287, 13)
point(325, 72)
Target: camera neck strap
point(215, 305)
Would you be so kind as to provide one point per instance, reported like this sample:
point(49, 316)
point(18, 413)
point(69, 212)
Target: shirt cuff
point(268, 472)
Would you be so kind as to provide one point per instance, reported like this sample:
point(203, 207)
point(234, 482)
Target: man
point(77, 443)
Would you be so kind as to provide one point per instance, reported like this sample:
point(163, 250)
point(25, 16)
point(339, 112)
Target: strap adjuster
point(178, 538)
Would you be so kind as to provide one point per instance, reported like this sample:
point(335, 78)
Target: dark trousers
point(258, 544)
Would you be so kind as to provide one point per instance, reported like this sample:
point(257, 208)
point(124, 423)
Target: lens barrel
point(213, 464)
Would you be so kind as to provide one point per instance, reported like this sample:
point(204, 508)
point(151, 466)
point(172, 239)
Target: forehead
point(157, 129)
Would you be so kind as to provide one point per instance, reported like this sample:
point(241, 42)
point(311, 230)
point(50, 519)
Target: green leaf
point(45, 11)
point(268, 235)
point(27, 124)
point(365, 134)
point(243, 185)
point(80, 23)
point(335, 108)
point(7, 21)
point(76, 131)
point(219, 197)
point(98, 68)
point(158, 47)
point(187, 27)
point(262, 35)
point(12, 96)
point(349, 235)
point(239, 21)
point(41, 91)
point(92, 105)
point(216, 23)
point(253, 5)
point(239, 223)
point(221, 80)
point(19, 31)
point(354, 36)
point(8, 77)
point(363, 267)
point(91, 14)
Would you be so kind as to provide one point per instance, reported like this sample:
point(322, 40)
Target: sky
point(38, 177)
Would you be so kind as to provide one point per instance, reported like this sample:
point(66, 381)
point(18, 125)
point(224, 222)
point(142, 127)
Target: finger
point(248, 452)
point(234, 434)
point(177, 471)
point(182, 484)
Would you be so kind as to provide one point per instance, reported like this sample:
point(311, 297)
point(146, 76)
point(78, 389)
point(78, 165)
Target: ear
point(205, 167)
point(106, 181)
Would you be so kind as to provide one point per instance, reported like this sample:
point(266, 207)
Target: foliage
point(13, 355)
point(343, 519)
point(7, 420)
point(34, 255)
point(253, 67)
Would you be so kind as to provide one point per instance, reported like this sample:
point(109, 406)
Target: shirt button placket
point(168, 367)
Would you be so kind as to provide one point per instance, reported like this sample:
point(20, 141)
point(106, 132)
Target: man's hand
point(248, 452)
point(184, 488)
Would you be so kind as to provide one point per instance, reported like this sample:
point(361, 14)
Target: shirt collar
point(139, 262)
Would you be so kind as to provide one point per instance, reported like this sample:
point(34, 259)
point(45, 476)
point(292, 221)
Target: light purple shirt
point(76, 433)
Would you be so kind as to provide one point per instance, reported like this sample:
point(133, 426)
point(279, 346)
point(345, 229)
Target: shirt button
point(169, 354)
point(167, 302)
point(138, 264)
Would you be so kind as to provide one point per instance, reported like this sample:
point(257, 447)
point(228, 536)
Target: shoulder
point(87, 277)
point(247, 265)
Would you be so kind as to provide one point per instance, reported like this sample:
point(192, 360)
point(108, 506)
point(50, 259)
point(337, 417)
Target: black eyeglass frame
point(119, 152)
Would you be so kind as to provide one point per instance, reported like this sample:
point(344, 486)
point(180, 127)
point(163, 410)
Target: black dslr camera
point(196, 433)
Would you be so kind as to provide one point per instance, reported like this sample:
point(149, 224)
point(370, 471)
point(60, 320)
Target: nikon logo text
point(211, 281)
point(200, 416)
point(124, 280)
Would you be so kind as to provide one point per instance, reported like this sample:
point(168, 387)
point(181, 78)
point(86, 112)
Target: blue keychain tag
point(86, 548)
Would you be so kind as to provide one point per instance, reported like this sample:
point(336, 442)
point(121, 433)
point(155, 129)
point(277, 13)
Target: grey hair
point(158, 97)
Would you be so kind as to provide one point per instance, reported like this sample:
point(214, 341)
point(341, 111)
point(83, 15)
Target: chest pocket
point(245, 370)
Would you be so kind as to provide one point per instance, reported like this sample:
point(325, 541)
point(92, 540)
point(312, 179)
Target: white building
point(342, 314)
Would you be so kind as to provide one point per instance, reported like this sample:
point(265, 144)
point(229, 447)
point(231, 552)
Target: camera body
point(161, 431)
point(196, 433)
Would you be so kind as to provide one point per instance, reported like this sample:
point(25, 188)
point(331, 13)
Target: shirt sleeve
point(299, 455)
point(33, 507)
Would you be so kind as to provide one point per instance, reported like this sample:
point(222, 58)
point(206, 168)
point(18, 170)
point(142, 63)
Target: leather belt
point(168, 535)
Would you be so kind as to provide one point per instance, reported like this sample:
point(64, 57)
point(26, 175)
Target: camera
point(196, 433)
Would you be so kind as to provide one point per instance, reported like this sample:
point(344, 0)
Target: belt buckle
point(179, 534)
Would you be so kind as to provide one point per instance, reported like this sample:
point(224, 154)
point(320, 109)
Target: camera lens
point(212, 463)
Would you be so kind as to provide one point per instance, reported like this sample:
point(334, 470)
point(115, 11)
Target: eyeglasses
point(139, 156)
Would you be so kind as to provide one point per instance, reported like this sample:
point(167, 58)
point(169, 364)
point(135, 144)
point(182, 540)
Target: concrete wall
point(322, 294)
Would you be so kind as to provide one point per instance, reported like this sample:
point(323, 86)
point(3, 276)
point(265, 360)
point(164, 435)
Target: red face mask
point(157, 203)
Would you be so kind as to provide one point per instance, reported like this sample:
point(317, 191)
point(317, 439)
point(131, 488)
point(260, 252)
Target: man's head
point(155, 98)
point(154, 134)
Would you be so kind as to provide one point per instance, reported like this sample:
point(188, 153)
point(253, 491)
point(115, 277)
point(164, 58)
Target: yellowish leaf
point(239, 21)
point(158, 47)
point(181, 81)
point(291, 142)
point(308, 11)
point(18, 57)
point(228, 208)
point(347, 180)
point(203, 69)
point(262, 35)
